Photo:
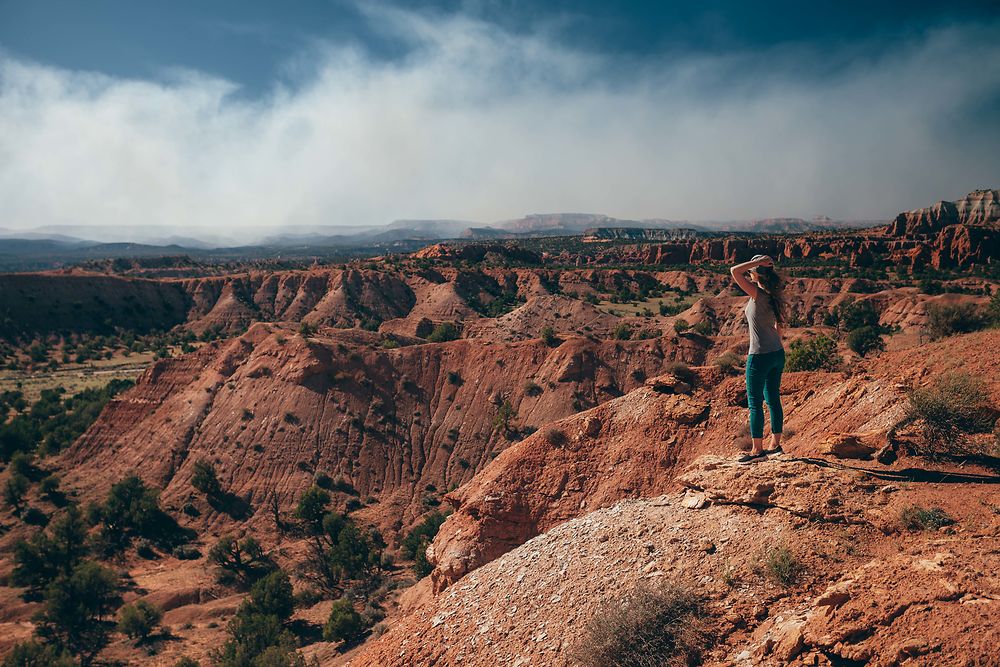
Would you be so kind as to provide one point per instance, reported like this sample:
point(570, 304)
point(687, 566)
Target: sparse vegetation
point(680, 370)
point(36, 654)
point(340, 552)
point(781, 565)
point(555, 436)
point(344, 623)
point(240, 560)
point(414, 545)
point(205, 480)
point(622, 331)
point(915, 517)
point(681, 325)
point(953, 404)
point(502, 420)
point(444, 332)
point(650, 628)
point(257, 633)
point(51, 554)
point(865, 340)
point(812, 354)
point(139, 620)
point(850, 315)
point(949, 319)
point(132, 510)
point(52, 422)
point(704, 328)
point(78, 609)
point(729, 362)
point(550, 338)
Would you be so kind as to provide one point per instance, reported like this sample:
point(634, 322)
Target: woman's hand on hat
point(765, 261)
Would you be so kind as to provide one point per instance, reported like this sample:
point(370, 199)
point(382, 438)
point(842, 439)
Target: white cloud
point(480, 124)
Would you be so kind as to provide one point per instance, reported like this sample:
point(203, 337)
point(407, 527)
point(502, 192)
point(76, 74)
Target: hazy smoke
point(481, 124)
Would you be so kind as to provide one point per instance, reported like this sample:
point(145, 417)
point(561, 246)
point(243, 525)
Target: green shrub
point(312, 507)
point(14, 489)
point(550, 338)
point(340, 552)
point(680, 370)
point(651, 628)
point(729, 362)
point(703, 328)
point(681, 325)
point(34, 516)
point(344, 623)
point(622, 331)
point(49, 487)
point(414, 545)
point(668, 309)
point(953, 403)
point(21, 464)
point(36, 654)
point(139, 620)
point(205, 480)
point(185, 661)
point(950, 319)
point(258, 640)
point(812, 354)
point(271, 595)
point(851, 315)
point(186, 552)
point(444, 332)
point(52, 553)
point(132, 510)
point(533, 388)
point(503, 418)
point(915, 517)
point(77, 610)
point(781, 566)
point(930, 286)
point(243, 560)
point(993, 309)
point(555, 436)
point(864, 340)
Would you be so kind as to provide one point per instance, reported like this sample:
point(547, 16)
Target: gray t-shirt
point(760, 317)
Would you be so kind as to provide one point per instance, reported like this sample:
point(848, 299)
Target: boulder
point(853, 445)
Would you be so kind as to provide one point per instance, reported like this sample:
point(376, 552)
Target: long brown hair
point(774, 285)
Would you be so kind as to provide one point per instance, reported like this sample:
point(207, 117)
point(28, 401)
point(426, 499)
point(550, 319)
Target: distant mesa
point(978, 208)
point(599, 234)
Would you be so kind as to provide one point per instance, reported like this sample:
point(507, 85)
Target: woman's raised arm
point(739, 273)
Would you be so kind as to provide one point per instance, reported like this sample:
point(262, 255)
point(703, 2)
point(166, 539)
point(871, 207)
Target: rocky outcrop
point(848, 593)
point(566, 468)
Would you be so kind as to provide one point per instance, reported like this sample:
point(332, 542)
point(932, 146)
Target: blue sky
point(263, 114)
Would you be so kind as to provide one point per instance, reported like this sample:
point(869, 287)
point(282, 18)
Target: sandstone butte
point(615, 471)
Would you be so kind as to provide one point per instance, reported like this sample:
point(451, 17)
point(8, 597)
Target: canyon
point(575, 410)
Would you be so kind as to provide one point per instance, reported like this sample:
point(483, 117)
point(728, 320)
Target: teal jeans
point(764, 385)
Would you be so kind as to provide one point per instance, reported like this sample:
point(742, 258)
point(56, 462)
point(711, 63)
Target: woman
point(766, 359)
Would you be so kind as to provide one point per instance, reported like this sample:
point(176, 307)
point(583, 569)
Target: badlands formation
point(577, 414)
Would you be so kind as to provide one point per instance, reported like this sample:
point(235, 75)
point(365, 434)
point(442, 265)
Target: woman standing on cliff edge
point(766, 359)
